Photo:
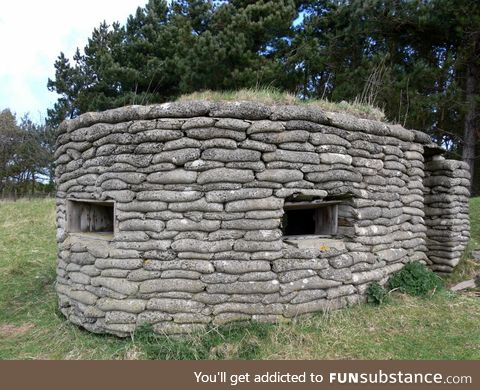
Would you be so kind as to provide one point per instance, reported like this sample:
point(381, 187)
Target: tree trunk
point(33, 184)
point(3, 171)
point(470, 124)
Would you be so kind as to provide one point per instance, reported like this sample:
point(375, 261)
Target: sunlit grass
point(272, 96)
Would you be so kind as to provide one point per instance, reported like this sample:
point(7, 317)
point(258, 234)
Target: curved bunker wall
point(190, 213)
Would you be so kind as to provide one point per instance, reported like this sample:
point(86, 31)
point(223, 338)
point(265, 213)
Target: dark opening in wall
point(310, 218)
point(90, 217)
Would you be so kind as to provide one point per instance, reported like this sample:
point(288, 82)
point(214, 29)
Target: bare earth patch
point(7, 330)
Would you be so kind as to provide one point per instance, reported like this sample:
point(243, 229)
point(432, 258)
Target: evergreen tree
point(416, 59)
point(164, 51)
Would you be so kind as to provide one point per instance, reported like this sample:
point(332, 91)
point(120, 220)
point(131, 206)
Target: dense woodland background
point(418, 60)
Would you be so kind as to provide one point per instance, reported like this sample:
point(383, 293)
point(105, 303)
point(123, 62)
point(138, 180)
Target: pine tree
point(418, 60)
point(164, 51)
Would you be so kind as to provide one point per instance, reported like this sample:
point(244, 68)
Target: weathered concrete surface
point(199, 191)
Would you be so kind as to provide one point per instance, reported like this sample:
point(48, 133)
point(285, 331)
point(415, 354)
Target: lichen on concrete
point(199, 190)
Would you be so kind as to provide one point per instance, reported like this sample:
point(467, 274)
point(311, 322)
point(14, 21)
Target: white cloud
point(32, 35)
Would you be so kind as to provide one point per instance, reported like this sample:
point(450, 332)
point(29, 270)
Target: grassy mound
point(271, 96)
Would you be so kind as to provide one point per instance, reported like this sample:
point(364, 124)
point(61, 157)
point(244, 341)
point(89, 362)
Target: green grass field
point(443, 327)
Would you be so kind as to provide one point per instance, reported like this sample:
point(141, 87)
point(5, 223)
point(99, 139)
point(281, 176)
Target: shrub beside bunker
point(416, 279)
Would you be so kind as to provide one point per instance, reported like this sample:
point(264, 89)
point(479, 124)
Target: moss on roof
point(272, 96)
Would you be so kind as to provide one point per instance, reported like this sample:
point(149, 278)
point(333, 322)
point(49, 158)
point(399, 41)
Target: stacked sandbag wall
point(447, 190)
point(199, 190)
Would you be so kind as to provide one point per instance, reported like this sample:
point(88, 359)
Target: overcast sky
point(32, 35)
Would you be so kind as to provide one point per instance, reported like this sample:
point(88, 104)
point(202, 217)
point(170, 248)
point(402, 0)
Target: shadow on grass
point(236, 341)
